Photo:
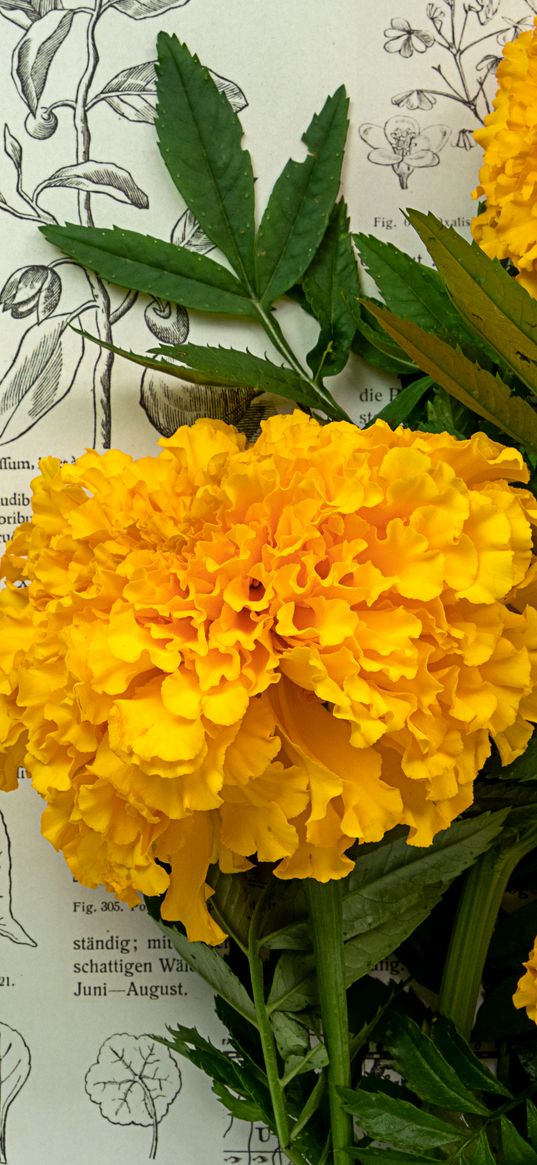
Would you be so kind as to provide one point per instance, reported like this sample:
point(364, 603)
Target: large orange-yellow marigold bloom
point(226, 651)
point(508, 178)
point(526, 992)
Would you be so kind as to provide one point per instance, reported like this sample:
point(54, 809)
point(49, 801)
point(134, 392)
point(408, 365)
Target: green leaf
point(495, 305)
point(410, 289)
point(293, 986)
point(213, 968)
point(229, 1074)
point(511, 941)
point(398, 409)
point(372, 1156)
point(516, 1150)
point(470, 1070)
point(531, 1116)
point(144, 263)
point(424, 1069)
point(476, 388)
point(399, 1123)
point(524, 768)
point(301, 202)
point(202, 363)
point(374, 346)
point(374, 943)
point(233, 902)
point(199, 137)
point(332, 288)
point(480, 1153)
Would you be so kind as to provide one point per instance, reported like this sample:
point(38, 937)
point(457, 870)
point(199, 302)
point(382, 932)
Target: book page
point(85, 982)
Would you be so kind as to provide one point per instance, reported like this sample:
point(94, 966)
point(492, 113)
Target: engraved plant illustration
point(50, 351)
point(133, 1081)
point(462, 42)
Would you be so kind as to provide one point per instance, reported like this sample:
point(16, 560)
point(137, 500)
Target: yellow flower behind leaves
point(508, 178)
point(526, 992)
point(226, 653)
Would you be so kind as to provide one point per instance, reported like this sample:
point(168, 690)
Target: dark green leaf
point(480, 1152)
point(524, 768)
point(424, 1069)
point(241, 369)
point(398, 409)
point(531, 1117)
point(293, 986)
point(516, 1150)
point(411, 290)
point(470, 1070)
point(500, 311)
point(233, 902)
point(511, 941)
point(301, 202)
point(144, 263)
point(230, 1075)
point(199, 138)
point(372, 1156)
point(375, 943)
point(398, 1123)
point(446, 415)
point(476, 388)
point(213, 968)
point(497, 1018)
point(332, 288)
point(376, 348)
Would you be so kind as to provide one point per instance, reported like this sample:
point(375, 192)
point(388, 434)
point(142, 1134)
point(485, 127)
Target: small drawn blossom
point(465, 139)
point(514, 28)
point(402, 145)
point(403, 39)
point(414, 99)
point(34, 288)
point(487, 65)
point(485, 9)
point(436, 16)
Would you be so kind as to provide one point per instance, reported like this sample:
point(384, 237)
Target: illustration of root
point(9, 927)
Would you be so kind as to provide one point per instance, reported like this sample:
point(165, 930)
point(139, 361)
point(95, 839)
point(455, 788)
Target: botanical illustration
point(50, 350)
point(134, 1080)
point(462, 42)
point(15, 1064)
point(9, 927)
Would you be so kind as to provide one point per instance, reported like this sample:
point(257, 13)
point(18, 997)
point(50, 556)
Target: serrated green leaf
point(424, 1069)
point(372, 1156)
point(301, 202)
point(470, 1070)
point(233, 902)
point(213, 968)
point(230, 1076)
point(531, 1117)
point(411, 290)
point(242, 369)
point(495, 305)
point(480, 1152)
point(398, 1123)
point(374, 345)
point(362, 953)
point(144, 263)
point(476, 388)
point(332, 288)
point(398, 409)
point(516, 1150)
point(293, 986)
point(199, 137)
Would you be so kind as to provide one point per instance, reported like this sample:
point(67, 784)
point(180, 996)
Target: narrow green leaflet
point(499, 310)
point(480, 1152)
point(332, 287)
point(144, 263)
point(516, 1150)
point(476, 388)
point(398, 409)
point(410, 289)
point(230, 1075)
point(424, 1069)
point(399, 1123)
point(213, 968)
point(301, 202)
point(374, 943)
point(531, 1117)
point(199, 137)
point(377, 348)
point(242, 369)
point(293, 985)
point(470, 1070)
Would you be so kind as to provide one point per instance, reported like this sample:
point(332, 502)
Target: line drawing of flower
point(414, 99)
point(401, 144)
point(402, 38)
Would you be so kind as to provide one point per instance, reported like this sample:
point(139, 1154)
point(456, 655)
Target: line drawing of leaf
point(41, 374)
point(188, 233)
point(169, 403)
point(134, 1080)
point(143, 9)
point(9, 927)
point(34, 54)
point(133, 92)
point(15, 1066)
point(97, 178)
point(12, 148)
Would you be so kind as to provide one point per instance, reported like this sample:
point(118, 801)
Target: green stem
point(325, 907)
point(325, 400)
point(472, 931)
point(277, 1094)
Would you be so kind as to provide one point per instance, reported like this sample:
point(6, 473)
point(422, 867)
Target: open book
point(85, 982)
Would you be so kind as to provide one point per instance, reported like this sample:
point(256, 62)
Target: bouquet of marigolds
point(286, 690)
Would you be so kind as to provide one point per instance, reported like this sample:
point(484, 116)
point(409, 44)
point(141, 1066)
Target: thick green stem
point(325, 910)
point(472, 931)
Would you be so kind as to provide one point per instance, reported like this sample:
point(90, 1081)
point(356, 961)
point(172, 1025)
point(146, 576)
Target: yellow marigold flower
point(226, 652)
point(508, 178)
point(526, 992)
